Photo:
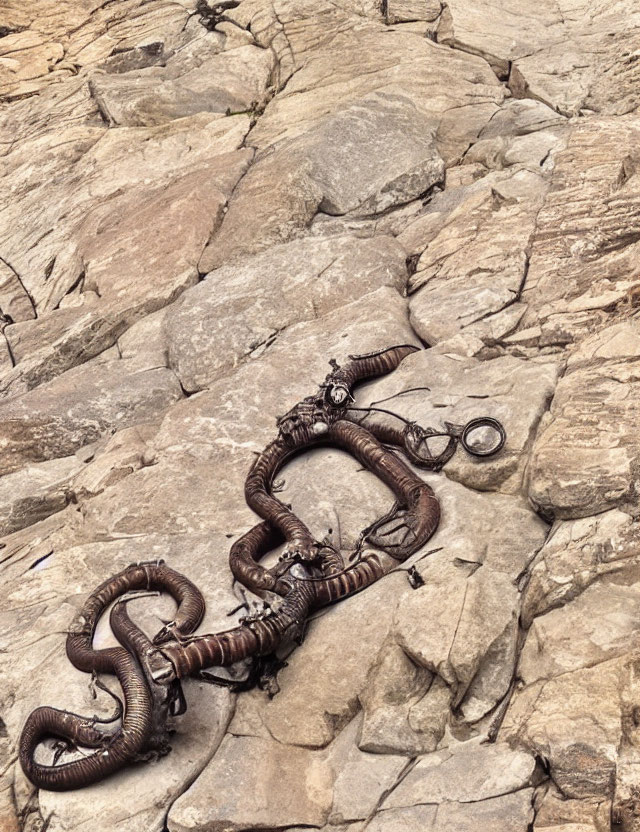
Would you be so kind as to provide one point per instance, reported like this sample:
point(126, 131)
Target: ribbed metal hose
point(362, 443)
point(145, 669)
point(120, 746)
point(258, 638)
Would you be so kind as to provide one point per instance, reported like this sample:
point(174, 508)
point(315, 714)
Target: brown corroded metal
point(149, 672)
point(115, 747)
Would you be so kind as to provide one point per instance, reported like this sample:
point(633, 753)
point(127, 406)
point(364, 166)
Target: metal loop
point(483, 422)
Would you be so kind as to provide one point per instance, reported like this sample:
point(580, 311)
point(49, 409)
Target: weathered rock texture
point(204, 202)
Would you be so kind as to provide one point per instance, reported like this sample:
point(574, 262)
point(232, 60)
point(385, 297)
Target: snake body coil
point(149, 671)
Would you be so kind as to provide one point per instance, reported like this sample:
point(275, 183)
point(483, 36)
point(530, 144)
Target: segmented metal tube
point(298, 432)
point(113, 751)
point(372, 365)
point(258, 637)
point(145, 669)
point(115, 748)
point(154, 575)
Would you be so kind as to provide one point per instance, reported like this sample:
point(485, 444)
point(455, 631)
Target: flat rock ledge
point(205, 203)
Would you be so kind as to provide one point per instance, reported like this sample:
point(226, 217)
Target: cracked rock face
point(205, 203)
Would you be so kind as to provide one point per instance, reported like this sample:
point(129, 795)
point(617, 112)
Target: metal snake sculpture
point(309, 575)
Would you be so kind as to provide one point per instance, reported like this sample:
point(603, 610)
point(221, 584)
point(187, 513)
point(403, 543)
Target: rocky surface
point(205, 203)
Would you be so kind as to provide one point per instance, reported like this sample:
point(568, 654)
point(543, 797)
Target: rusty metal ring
point(483, 422)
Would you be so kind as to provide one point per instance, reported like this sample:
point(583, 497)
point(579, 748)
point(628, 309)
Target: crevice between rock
point(21, 282)
point(201, 768)
point(519, 87)
point(385, 794)
point(533, 435)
